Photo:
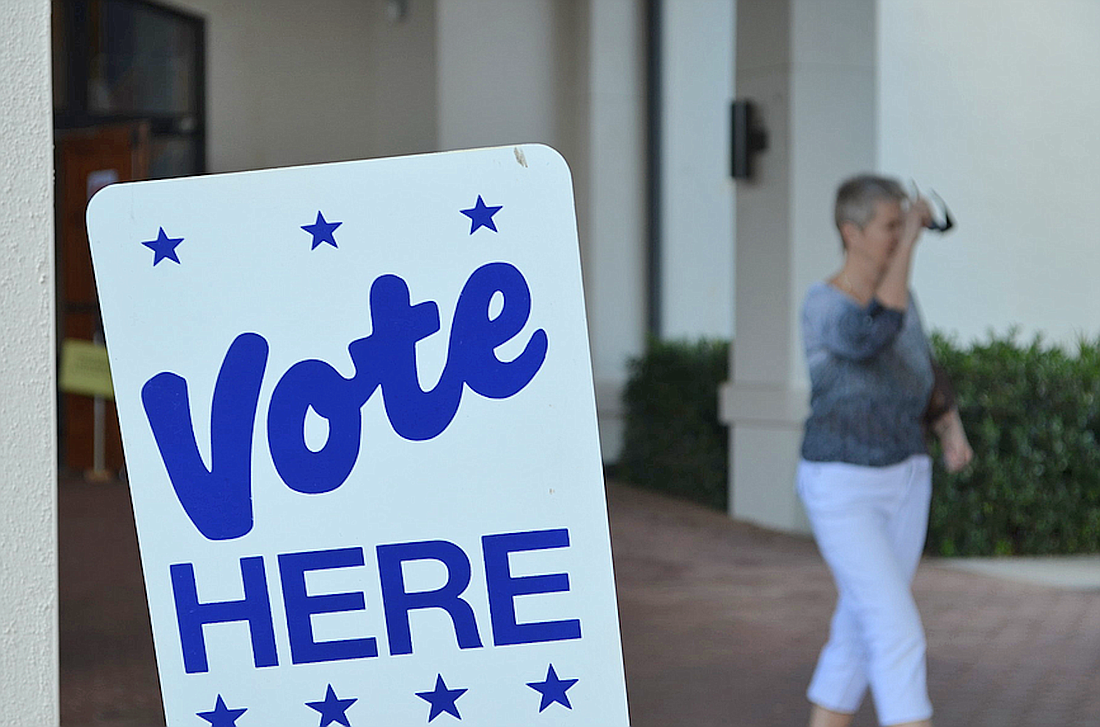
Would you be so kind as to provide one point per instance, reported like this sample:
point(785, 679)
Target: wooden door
point(87, 160)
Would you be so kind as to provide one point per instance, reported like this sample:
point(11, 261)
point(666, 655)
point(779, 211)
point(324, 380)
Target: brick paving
point(721, 625)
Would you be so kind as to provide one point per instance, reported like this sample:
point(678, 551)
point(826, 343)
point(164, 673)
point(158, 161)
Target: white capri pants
point(870, 524)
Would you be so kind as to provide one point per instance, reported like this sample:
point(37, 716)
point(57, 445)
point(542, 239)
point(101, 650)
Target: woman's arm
point(893, 289)
point(860, 333)
point(957, 453)
point(941, 417)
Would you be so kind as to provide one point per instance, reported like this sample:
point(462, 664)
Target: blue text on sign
point(218, 499)
point(255, 608)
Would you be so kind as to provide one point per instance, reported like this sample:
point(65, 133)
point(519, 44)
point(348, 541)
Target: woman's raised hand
point(917, 217)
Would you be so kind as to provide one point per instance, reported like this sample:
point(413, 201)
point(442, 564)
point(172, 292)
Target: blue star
point(164, 247)
point(553, 689)
point(322, 231)
point(332, 709)
point(442, 699)
point(221, 716)
point(481, 215)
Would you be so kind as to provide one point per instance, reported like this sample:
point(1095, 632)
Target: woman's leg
point(908, 529)
point(840, 678)
point(821, 717)
point(909, 525)
point(857, 515)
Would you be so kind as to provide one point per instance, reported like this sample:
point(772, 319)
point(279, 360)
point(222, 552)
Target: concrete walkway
point(1071, 572)
point(721, 625)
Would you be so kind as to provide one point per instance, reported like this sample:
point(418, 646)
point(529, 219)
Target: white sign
point(358, 416)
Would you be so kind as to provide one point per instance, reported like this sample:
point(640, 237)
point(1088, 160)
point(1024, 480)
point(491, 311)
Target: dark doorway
point(129, 104)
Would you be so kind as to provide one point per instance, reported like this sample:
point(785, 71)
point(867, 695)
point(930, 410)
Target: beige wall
point(615, 225)
point(28, 446)
point(298, 83)
point(569, 74)
point(996, 110)
point(496, 72)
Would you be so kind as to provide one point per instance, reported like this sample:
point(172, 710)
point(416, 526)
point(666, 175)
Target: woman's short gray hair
point(856, 198)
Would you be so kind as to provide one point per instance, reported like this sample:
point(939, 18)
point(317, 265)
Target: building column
point(569, 74)
point(809, 67)
point(28, 443)
point(696, 199)
point(612, 219)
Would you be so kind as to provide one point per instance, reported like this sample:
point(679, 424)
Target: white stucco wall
point(28, 446)
point(697, 193)
point(994, 105)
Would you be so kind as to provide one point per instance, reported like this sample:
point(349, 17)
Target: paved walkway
point(721, 624)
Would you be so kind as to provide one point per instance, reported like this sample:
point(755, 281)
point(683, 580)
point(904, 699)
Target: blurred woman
point(865, 474)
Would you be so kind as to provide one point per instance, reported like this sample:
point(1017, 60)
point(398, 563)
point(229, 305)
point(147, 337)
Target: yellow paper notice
point(84, 369)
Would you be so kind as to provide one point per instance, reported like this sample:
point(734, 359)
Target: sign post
point(357, 410)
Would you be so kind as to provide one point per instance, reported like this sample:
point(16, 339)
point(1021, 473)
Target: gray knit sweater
point(870, 376)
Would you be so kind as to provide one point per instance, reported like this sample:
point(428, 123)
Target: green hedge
point(1032, 414)
point(673, 441)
